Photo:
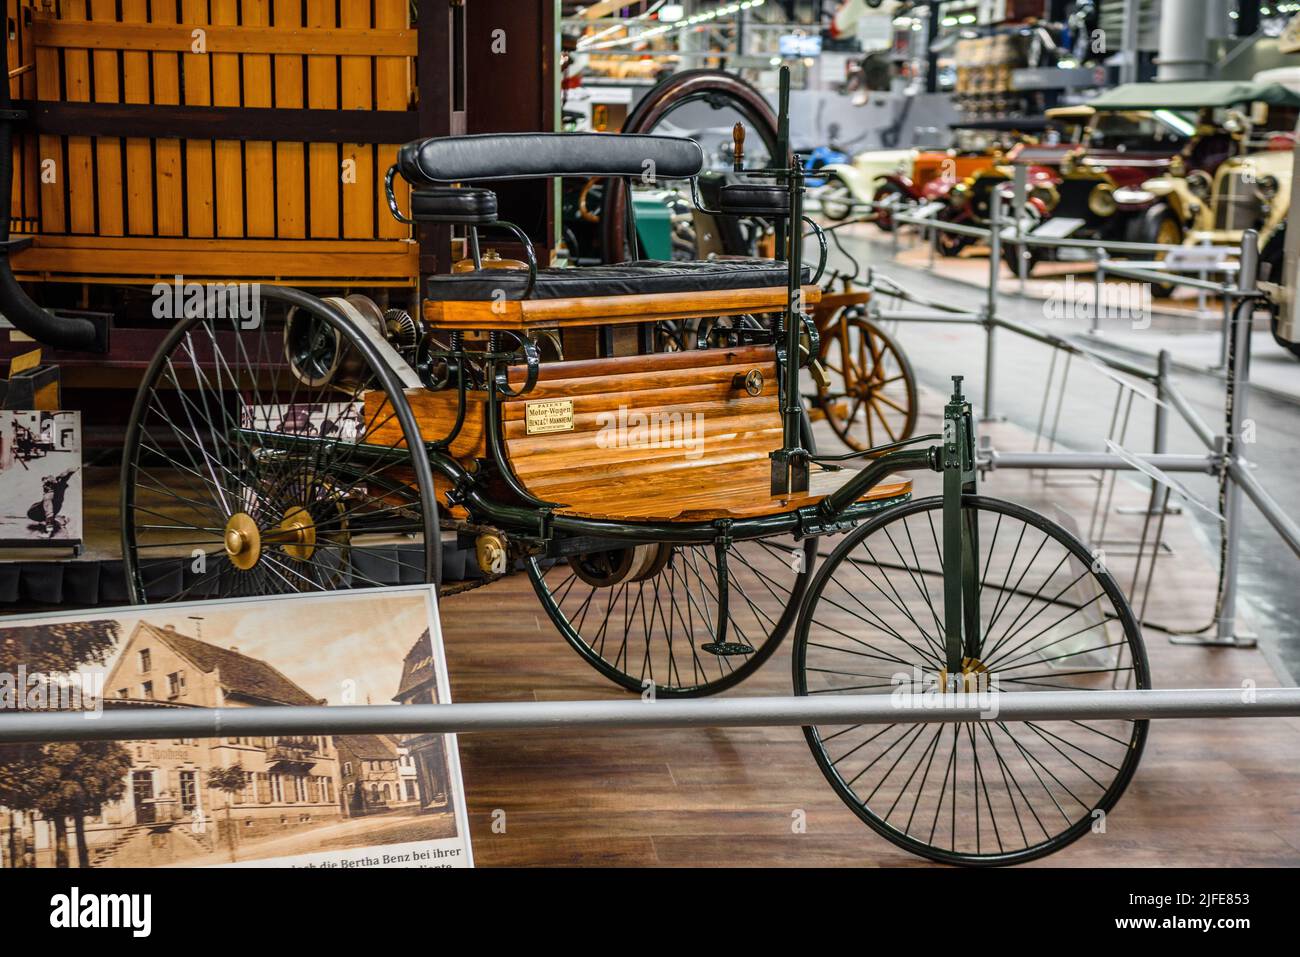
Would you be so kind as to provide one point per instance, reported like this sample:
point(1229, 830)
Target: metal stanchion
point(1160, 441)
point(1227, 629)
point(989, 413)
point(1098, 278)
point(1020, 182)
point(1225, 333)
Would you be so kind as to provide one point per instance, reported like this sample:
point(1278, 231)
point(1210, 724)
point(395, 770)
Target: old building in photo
point(419, 685)
point(190, 797)
point(368, 765)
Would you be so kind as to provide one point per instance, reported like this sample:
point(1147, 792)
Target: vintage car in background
point(1072, 171)
point(848, 184)
point(1250, 189)
point(917, 176)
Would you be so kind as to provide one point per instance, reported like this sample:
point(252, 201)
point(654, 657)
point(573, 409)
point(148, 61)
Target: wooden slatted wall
point(117, 209)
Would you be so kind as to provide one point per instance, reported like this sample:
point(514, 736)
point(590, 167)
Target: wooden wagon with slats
point(198, 190)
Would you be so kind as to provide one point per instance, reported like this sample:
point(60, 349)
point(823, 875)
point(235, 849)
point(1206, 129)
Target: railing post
point(1160, 443)
point(1227, 630)
point(1098, 280)
point(989, 413)
point(1021, 196)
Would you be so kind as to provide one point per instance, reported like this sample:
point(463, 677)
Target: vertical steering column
point(961, 612)
point(790, 465)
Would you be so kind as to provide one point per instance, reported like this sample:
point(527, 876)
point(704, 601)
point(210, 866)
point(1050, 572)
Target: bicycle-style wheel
point(1050, 617)
point(665, 616)
point(871, 399)
point(270, 456)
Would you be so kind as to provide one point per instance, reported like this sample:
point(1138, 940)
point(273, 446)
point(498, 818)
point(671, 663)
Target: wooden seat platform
point(667, 437)
point(523, 315)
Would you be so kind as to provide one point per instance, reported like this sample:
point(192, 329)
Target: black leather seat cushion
point(505, 156)
point(754, 199)
point(644, 277)
point(448, 205)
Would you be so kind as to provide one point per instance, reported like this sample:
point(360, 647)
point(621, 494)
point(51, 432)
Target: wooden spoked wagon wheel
point(1050, 617)
point(269, 455)
point(671, 617)
point(870, 399)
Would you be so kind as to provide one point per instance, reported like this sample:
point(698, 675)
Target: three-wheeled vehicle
point(667, 507)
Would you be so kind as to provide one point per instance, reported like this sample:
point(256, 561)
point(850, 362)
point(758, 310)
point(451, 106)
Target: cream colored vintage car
point(1248, 189)
point(1252, 191)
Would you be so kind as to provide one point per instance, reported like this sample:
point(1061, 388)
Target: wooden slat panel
point(228, 158)
point(322, 93)
point(151, 183)
point(259, 172)
point(393, 84)
point(238, 39)
point(290, 159)
point(436, 413)
point(51, 169)
point(607, 310)
point(80, 171)
point(200, 188)
point(30, 151)
point(358, 94)
point(167, 90)
point(16, 60)
point(139, 151)
point(386, 263)
point(108, 149)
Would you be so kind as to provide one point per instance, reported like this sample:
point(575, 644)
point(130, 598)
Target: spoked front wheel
point(268, 456)
point(666, 616)
point(1051, 617)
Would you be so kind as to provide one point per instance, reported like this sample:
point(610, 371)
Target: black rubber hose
point(15, 305)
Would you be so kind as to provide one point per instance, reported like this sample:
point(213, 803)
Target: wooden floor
point(1206, 793)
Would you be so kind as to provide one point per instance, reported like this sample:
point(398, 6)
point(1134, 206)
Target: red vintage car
point(977, 147)
point(1086, 175)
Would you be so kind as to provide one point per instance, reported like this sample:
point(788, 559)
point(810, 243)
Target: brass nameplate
point(542, 418)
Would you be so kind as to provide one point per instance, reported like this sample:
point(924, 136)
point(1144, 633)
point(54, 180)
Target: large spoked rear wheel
point(654, 616)
point(270, 460)
point(872, 399)
point(1051, 617)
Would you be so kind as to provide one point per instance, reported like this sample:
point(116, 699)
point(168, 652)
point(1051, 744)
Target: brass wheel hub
point(972, 678)
point(243, 541)
point(296, 535)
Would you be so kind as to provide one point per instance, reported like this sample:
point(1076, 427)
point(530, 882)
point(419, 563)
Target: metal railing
point(766, 711)
point(1223, 456)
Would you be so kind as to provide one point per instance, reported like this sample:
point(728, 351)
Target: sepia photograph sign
point(300, 800)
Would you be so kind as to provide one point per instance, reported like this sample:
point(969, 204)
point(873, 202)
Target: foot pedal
point(727, 649)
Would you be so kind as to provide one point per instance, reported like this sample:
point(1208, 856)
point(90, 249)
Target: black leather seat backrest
point(506, 156)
